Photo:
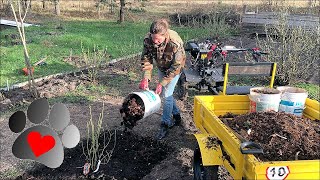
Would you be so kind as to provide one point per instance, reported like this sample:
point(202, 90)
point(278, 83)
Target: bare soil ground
point(137, 155)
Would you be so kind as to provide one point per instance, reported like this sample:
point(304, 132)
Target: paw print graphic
point(41, 143)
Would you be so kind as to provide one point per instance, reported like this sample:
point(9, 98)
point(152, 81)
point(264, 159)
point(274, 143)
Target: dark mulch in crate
point(282, 136)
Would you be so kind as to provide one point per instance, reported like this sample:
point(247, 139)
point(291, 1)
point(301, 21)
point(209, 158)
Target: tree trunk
point(43, 4)
point(99, 16)
point(112, 6)
point(179, 20)
point(30, 7)
point(57, 7)
point(98, 9)
point(122, 4)
point(23, 4)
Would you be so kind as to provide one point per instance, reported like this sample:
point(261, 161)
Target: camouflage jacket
point(169, 56)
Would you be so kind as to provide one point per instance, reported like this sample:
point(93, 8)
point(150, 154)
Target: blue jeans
point(169, 103)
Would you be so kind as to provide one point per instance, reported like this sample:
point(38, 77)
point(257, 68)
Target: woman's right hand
point(147, 66)
point(144, 84)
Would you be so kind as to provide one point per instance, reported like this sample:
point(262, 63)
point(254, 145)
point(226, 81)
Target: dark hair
point(159, 26)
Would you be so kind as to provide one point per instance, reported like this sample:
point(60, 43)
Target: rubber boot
point(177, 119)
point(163, 131)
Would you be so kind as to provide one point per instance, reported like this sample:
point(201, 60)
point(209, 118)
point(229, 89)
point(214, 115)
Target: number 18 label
point(277, 172)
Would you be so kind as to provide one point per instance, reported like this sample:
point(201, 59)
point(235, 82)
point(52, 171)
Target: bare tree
point(312, 3)
point(112, 4)
point(122, 5)
point(22, 34)
point(100, 3)
point(293, 49)
point(43, 4)
point(57, 7)
point(100, 143)
point(24, 4)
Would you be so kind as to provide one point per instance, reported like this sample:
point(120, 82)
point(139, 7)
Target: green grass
point(56, 43)
point(313, 90)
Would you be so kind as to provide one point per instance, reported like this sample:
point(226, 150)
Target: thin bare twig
point(275, 134)
point(296, 155)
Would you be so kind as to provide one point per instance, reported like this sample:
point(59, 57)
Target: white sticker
point(277, 172)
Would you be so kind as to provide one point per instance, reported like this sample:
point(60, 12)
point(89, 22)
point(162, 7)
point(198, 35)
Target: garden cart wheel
point(201, 172)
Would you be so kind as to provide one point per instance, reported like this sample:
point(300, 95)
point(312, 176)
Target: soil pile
point(132, 110)
point(49, 88)
point(282, 136)
point(133, 158)
point(265, 91)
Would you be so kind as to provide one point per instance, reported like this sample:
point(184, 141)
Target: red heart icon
point(40, 145)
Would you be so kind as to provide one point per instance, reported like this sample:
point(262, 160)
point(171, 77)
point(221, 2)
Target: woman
point(165, 47)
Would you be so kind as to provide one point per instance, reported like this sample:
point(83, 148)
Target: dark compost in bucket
point(265, 91)
point(132, 110)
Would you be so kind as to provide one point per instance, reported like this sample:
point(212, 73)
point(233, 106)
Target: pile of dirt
point(282, 136)
point(265, 91)
point(49, 88)
point(132, 110)
point(133, 158)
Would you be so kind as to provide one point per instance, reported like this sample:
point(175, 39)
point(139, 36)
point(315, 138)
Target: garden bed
point(137, 155)
point(134, 157)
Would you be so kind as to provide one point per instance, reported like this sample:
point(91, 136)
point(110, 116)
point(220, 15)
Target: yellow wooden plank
point(314, 114)
point(231, 98)
point(224, 98)
point(307, 116)
point(231, 106)
point(308, 169)
point(313, 104)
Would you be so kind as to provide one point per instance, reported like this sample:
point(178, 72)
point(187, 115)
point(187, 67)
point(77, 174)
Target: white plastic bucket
point(151, 100)
point(260, 102)
point(293, 100)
